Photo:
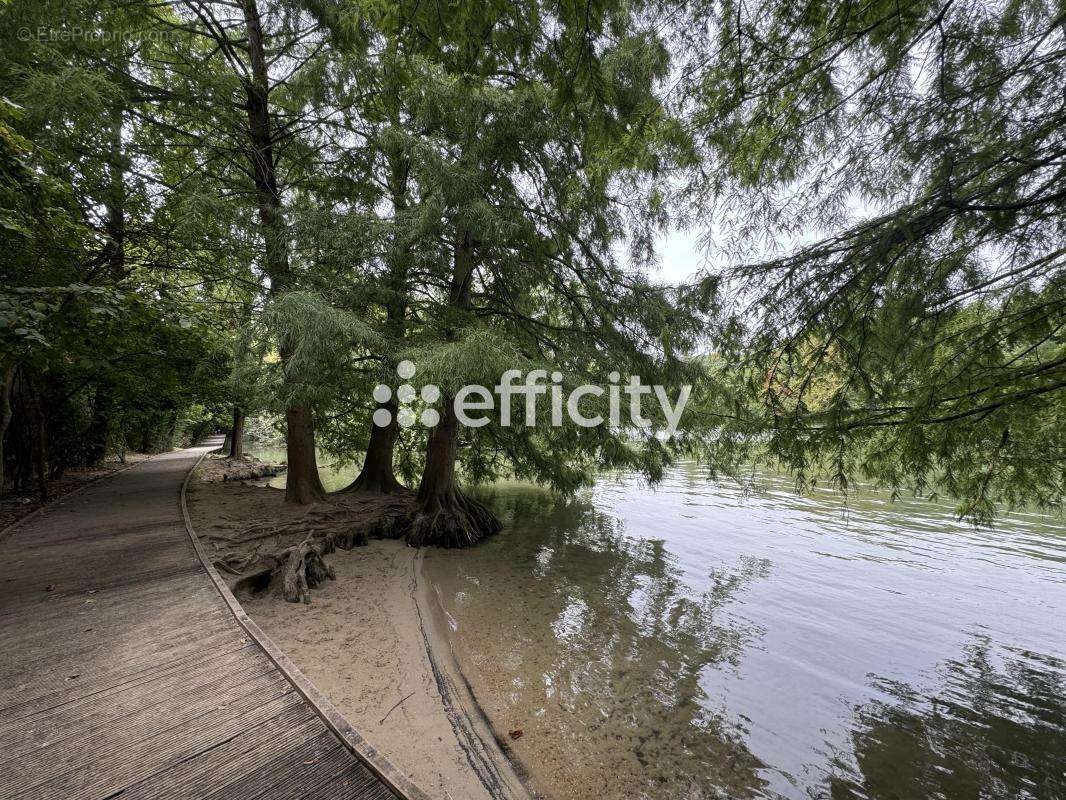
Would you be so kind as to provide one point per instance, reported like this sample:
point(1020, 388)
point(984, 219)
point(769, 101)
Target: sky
point(679, 257)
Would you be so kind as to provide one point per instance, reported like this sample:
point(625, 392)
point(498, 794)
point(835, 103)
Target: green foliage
point(917, 342)
point(882, 182)
point(318, 346)
point(104, 343)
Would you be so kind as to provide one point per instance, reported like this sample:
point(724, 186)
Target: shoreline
point(371, 641)
point(500, 765)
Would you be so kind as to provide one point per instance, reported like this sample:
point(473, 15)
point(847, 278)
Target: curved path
point(124, 673)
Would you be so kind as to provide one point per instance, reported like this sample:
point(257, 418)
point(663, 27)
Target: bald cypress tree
point(241, 80)
point(916, 151)
point(535, 145)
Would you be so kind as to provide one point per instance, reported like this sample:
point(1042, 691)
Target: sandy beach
point(368, 641)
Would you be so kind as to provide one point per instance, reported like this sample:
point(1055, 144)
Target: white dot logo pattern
point(405, 395)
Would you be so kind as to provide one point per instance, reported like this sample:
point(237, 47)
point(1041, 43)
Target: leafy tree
point(269, 205)
point(515, 184)
point(242, 95)
point(916, 150)
point(89, 312)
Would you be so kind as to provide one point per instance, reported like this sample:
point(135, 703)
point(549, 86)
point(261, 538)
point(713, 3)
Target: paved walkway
point(124, 674)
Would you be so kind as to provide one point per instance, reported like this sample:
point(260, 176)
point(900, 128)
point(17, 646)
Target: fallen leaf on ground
point(515, 734)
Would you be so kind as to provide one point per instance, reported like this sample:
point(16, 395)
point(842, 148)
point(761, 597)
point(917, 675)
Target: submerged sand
point(368, 642)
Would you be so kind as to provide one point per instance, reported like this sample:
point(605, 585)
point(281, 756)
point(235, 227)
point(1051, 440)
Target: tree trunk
point(172, 433)
point(302, 481)
point(302, 484)
point(377, 476)
point(445, 516)
point(99, 426)
point(40, 443)
point(236, 441)
point(7, 382)
point(115, 202)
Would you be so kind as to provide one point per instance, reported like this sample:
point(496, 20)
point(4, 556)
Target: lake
point(334, 476)
point(697, 639)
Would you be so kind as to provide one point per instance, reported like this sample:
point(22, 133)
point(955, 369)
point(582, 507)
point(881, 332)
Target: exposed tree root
point(236, 563)
point(376, 483)
point(306, 569)
point(300, 567)
point(288, 555)
point(218, 469)
point(451, 520)
point(444, 516)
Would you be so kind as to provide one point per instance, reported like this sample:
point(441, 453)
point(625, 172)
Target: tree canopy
point(213, 209)
point(911, 157)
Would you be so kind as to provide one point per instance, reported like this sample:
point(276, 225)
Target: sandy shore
point(368, 642)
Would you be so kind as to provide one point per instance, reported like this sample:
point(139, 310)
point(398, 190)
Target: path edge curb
point(349, 736)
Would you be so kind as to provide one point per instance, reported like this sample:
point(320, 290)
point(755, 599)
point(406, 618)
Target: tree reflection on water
point(621, 667)
point(604, 665)
point(996, 728)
